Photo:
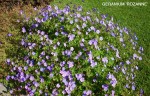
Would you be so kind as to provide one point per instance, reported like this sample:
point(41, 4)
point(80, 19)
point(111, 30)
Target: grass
point(134, 18)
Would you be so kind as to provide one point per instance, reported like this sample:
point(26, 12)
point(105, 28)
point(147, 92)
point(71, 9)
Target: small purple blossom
point(36, 84)
point(105, 87)
point(70, 63)
point(23, 29)
point(113, 93)
point(105, 60)
point(80, 77)
point(9, 34)
point(87, 93)
point(8, 61)
point(71, 37)
point(31, 78)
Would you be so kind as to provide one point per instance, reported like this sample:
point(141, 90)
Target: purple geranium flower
point(105, 87)
point(105, 60)
point(36, 84)
point(71, 37)
point(31, 78)
point(70, 63)
point(23, 29)
point(9, 34)
point(80, 77)
point(8, 61)
point(64, 73)
point(113, 82)
point(68, 52)
point(93, 41)
point(113, 93)
point(93, 64)
point(42, 69)
point(87, 92)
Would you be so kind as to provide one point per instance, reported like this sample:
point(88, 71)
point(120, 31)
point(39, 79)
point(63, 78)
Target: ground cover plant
point(72, 52)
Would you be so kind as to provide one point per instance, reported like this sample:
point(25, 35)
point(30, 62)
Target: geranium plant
point(72, 52)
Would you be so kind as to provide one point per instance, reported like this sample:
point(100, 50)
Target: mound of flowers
point(72, 52)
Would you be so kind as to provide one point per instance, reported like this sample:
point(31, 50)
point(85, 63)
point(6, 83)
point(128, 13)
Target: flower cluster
point(72, 52)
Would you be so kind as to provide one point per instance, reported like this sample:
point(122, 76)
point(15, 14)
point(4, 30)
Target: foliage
point(68, 51)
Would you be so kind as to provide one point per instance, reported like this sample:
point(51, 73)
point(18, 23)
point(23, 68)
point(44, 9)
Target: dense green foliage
point(74, 52)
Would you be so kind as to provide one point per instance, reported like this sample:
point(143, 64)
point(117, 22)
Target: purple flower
point(79, 8)
point(80, 77)
point(41, 79)
point(45, 64)
point(141, 92)
point(33, 53)
point(36, 84)
point(123, 71)
point(11, 91)
point(20, 69)
point(133, 87)
point(121, 39)
point(90, 42)
point(93, 64)
point(51, 75)
point(8, 77)
point(65, 81)
point(92, 28)
point(62, 63)
point(90, 56)
point(93, 41)
point(42, 69)
point(112, 78)
point(105, 87)
point(25, 68)
point(47, 57)
point(63, 92)
point(56, 33)
point(42, 33)
point(58, 85)
point(94, 80)
point(40, 91)
point(70, 63)
point(82, 44)
point(54, 92)
point(84, 25)
point(49, 8)
point(31, 78)
point(8, 61)
point(23, 29)
point(113, 82)
point(78, 15)
point(58, 43)
point(64, 73)
point(128, 62)
point(97, 31)
point(135, 56)
point(87, 92)
point(102, 22)
point(68, 52)
point(127, 86)
point(9, 34)
point(71, 48)
point(113, 34)
point(71, 37)
point(105, 60)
